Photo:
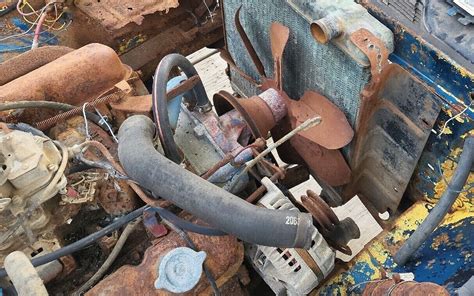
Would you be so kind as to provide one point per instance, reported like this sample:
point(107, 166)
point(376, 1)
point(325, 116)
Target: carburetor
point(31, 173)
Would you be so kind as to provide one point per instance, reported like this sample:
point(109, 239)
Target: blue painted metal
point(22, 43)
point(437, 150)
point(445, 258)
point(450, 81)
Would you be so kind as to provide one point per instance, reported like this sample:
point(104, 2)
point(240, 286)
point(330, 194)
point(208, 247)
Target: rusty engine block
point(108, 187)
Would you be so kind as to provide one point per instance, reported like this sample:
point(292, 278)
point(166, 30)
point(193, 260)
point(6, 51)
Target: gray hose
point(206, 201)
point(436, 215)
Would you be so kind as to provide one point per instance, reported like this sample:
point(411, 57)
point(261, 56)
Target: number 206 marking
point(290, 220)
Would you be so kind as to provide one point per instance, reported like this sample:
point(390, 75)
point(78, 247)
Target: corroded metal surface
point(443, 259)
point(333, 132)
point(279, 35)
point(257, 111)
point(29, 61)
point(320, 211)
point(48, 123)
point(144, 103)
point(92, 70)
point(403, 288)
point(248, 45)
point(136, 104)
point(337, 233)
point(224, 257)
point(327, 164)
point(395, 120)
point(114, 202)
point(115, 14)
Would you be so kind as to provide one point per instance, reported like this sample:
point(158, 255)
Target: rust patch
point(113, 14)
point(92, 70)
point(224, 257)
point(403, 288)
point(255, 111)
point(29, 61)
point(114, 202)
point(279, 35)
point(248, 45)
point(327, 164)
point(142, 104)
point(440, 240)
point(333, 132)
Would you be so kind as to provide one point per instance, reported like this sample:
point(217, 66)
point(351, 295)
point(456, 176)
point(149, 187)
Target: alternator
point(290, 271)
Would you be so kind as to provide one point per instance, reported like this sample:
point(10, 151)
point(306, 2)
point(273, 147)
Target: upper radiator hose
point(221, 209)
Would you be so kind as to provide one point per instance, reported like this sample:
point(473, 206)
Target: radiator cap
point(180, 270)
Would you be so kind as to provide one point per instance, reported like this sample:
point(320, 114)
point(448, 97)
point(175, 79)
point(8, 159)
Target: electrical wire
point(19, 8)
point(41, 18)
point(29, 46)
point(23, 33)
point(104, 121)
point(186, 225)
point(86, 122)
point(50, 105)
point(35, 42)
point(443, 130)
point(153, 203)
point(110, 259)
point(83, 242)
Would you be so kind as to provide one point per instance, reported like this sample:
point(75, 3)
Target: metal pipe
point(26, 62)
point(206, 201)
point(445, 203)
point(90, 70)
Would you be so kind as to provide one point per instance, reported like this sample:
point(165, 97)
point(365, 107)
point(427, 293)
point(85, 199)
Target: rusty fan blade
point(279, 35)
point(333, 132)
point(248, 45)
point(329, 165)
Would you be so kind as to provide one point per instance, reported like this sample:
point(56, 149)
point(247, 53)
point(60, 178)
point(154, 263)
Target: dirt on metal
point(224, 257)
point(403, 288)
point(92, 70)
point(115, 14)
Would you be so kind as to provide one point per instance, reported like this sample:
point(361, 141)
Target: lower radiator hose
point(204, 200)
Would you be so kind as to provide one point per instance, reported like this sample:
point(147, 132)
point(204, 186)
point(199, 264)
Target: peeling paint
point(443, 259)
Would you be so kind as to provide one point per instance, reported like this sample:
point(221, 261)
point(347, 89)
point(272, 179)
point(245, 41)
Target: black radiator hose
point(204, 200)
point(466, 161)
point(160, 102)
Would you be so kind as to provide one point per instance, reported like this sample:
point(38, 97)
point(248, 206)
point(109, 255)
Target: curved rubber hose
point(204, 200)
point(84, 242)
point(445, 203)
point(160, 102)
